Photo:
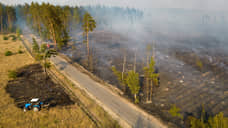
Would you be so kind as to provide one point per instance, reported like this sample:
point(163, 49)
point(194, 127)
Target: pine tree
point(133, 83)
point(122, 77)
point(152, 78)
point(89, 25)
point(1, 17)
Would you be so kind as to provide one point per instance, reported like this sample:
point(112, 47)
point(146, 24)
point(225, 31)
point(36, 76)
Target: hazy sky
point(190, 4)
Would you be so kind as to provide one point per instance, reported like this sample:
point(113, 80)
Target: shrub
point(175, 111)
point(20, 51)
point(12, 74)
point(5, 38)
point(43, 47)
point(8, 53)
point(47, 64)
point(14, 38)
point(217, 121)
point(199, 64)
point(38, 57)
point(35, 46)
point(18, 32)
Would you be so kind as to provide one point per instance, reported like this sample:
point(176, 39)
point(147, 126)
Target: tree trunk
point(135, 96)
point(45, 68)
point(147, 89)
point(124, 62)
point(1, 24)
point(151, 89)
point(147, 79)
point(87, 45)
point(87, 41)
point(9, 23)
point(135, 63)
point(39, 27)
point(52, 31)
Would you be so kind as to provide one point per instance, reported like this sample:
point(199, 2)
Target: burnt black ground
point(32, 83)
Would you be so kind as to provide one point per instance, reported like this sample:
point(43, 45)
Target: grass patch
point(12, 74)
point(14, 38)
point(20, 51)
point(8, 53)
point(5, 38)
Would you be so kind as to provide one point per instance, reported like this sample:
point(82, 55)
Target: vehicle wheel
point(36, 109)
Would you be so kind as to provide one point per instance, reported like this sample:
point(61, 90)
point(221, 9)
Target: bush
point(14, 38)
point(5, 38)
point(217, 121)
point(20, 51)
point(175, 111)
point(18, 31)
point(35, 46)
point(8, 53)
point(12, 74)
point(199, 64)
point(47, 64)
point(38, 57)
point(43, 47)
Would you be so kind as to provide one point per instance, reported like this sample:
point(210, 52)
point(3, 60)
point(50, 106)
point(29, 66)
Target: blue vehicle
point(35, 105)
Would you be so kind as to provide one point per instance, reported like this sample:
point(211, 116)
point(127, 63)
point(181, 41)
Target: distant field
point(11, 116)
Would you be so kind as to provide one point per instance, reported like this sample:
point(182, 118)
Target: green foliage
point(118, 74)
point(7, 18)
point(18, 32)
point(39, 57)
point(150, 72)
point(5, 38)
point(50, 52)
point(14, 38)
point(89, 23)
point(47, 65)
point(8, 53)
point(43, 47)
point(76, 16)
point(175, 111)
point(11, 18)
point(20, 51)
point(12, 74)
point(133, 83)
point(51, 22)
point(35, 46)
point(218, 121)
point(199, 64)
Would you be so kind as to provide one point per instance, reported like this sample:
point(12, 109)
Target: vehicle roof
point(34, 99)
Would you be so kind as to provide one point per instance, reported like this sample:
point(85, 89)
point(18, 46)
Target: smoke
point(140, 4)
point(190, 28)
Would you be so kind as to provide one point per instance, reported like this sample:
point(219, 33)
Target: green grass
point(5, 38)
point(12, 74)
point(20, 51)
point(14, 38)
point(8, 53)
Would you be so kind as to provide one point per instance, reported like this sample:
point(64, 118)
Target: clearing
point(63, 113)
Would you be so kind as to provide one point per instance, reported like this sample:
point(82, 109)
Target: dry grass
point(96, 110)
point(12, 117)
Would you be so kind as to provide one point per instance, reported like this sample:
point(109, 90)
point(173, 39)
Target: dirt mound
point(32, 83)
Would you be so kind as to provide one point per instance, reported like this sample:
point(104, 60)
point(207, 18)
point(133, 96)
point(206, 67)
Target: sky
point(141, 4)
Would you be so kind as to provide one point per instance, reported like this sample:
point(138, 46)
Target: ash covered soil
point(31, 83)
point(182, 81)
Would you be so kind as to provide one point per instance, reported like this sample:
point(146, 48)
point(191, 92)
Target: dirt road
point(114, 103)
